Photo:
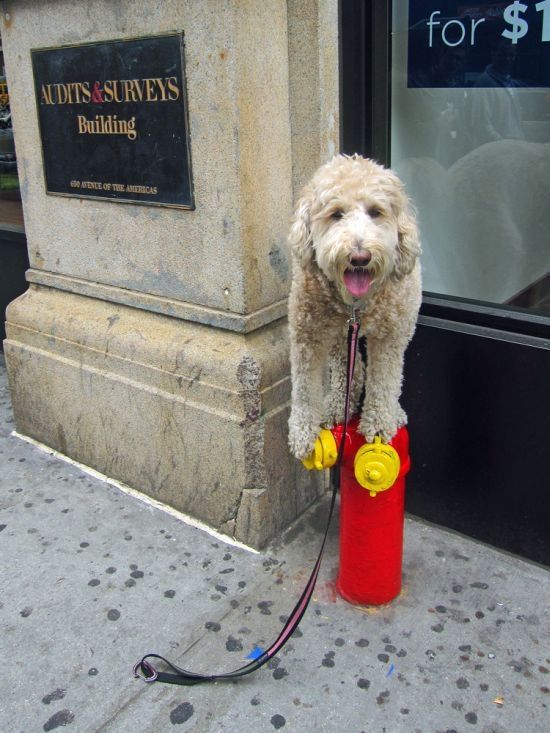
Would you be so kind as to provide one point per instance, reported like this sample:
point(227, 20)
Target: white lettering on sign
point(519, 25)
point(453, 32)
point(544, 6)
point(462, 33)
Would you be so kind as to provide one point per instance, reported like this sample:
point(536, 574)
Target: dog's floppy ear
point(299, 236)
point(408, 246)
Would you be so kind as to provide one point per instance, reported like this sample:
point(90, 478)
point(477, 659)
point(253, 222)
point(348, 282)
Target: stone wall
point(152, 342)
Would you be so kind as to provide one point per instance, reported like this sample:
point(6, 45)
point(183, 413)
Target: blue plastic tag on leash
point(255, 653)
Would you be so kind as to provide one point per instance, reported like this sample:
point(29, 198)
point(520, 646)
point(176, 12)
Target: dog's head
point(355, 222)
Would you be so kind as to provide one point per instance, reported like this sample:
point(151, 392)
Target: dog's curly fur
point(352, 224)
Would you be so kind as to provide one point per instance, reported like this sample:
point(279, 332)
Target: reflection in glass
point(470, 135)
point(495, 106)
point(11, 214)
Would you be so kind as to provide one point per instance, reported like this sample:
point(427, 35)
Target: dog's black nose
point(361, 259)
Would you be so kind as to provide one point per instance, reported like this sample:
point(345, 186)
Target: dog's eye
point(337, 214)
point(374, 212)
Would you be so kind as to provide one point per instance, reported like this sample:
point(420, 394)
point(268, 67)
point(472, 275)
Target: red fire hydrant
point(372, 507)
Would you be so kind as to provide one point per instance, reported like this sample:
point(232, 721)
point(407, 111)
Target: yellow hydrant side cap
point(376, 466)
point(324, 453)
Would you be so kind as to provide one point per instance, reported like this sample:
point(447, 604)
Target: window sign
point(455, 44)
point(470, 136)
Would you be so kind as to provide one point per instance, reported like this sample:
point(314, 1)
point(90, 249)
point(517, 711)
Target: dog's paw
point(334, 409)
point(301, 437)
point(386, 426)
point(401, 417)
point(330, 419)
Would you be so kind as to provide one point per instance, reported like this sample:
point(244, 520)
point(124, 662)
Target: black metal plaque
point(113, 120)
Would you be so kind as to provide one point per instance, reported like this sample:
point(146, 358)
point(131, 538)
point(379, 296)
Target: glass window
point(470, 136)
point(11, 213)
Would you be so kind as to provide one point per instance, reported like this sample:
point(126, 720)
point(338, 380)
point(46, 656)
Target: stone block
point(192, 416)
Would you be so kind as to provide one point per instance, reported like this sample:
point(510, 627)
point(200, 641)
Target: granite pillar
point(151, 344)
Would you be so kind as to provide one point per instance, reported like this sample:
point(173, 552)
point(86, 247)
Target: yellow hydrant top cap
point(324, 453)
point(376, 466)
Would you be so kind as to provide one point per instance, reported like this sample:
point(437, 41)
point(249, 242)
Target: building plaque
point(113, 120)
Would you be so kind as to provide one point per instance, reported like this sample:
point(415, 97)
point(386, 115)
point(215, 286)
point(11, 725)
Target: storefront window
point(470, 135)
point(11, 214)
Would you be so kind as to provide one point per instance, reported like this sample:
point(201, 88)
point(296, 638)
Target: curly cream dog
point(355, 242)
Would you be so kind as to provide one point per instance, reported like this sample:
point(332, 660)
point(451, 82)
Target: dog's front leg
point(382, 414)
point(307, 362)
point(336, 398)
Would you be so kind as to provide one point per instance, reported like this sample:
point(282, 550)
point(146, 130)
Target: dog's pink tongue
point(357, 282)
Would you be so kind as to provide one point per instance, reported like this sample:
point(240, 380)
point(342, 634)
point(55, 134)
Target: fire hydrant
point(372, 508)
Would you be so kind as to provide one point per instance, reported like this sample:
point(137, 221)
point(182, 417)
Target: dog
point(354, 244)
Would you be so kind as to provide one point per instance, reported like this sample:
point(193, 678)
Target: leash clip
point(149, 668)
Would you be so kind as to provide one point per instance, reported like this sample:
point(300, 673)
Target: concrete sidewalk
point(91, 578)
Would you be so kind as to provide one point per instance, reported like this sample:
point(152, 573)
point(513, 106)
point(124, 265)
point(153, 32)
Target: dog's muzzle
point(357, 278)
point(360, 260)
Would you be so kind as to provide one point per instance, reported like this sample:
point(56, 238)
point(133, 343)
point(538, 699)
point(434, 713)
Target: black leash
point(179, 676)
